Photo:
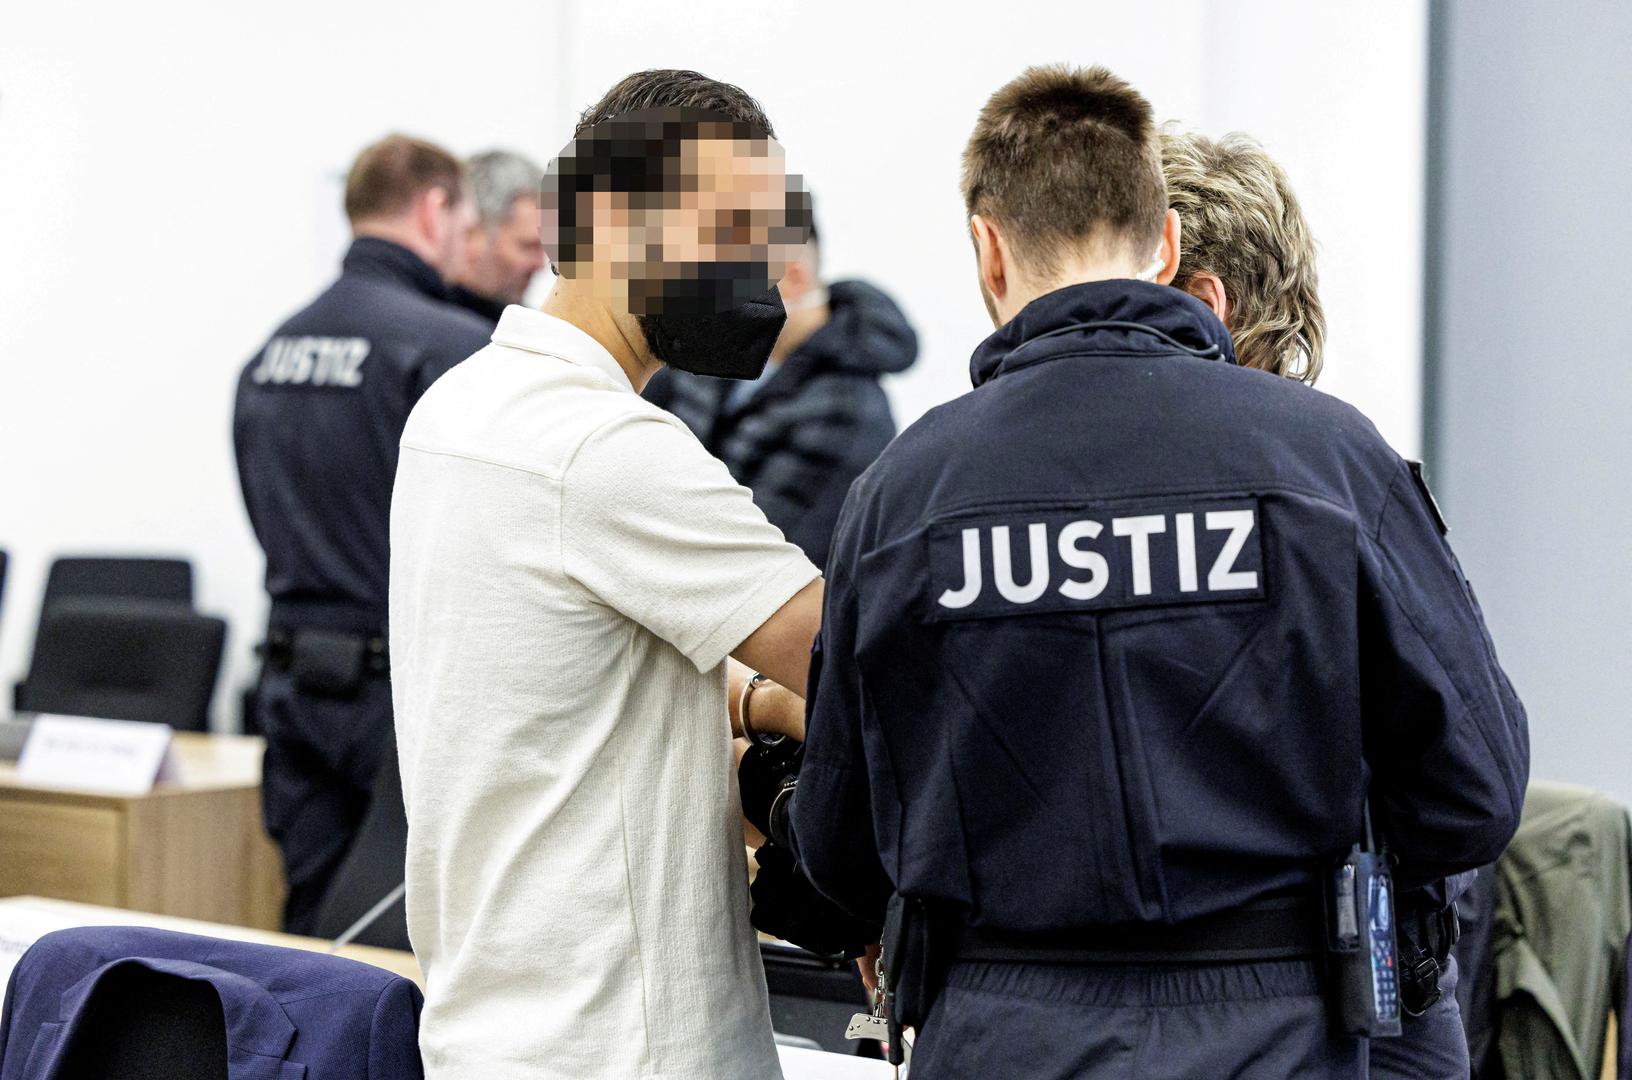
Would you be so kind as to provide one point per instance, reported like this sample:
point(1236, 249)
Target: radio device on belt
point(1362, 954)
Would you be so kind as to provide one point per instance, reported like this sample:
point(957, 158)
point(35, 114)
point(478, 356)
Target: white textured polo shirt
point(569, 570)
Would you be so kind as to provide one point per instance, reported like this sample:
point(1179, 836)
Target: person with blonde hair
point(1247, 251)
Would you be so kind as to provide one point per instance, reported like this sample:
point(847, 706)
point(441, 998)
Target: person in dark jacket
point(800, 435)
point(320, 410)
point(1117, 647)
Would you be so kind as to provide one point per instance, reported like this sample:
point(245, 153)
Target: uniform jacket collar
point(1116, 316)
point(369, 256)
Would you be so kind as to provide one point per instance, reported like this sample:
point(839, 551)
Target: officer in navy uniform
point(1116, 650)
point(320, 411)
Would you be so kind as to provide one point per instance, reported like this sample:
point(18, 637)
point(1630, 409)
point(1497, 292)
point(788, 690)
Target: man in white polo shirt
point(570, 570)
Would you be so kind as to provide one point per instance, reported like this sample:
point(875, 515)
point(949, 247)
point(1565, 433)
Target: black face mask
point(715, 323)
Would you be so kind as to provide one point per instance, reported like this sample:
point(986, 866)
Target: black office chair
point(167, 580)
point(373, 867)
point(124, 660)
point(150, 580)
point(149, 1025)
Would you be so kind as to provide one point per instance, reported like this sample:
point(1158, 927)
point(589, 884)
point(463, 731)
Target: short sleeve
point(655, 527)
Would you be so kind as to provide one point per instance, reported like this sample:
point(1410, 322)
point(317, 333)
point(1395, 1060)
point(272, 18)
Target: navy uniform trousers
point(1183, 1022)
point(322, 754)
point(1432, 1046)
point(1180, 1022)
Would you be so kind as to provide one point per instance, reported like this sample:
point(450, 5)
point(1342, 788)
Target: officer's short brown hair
point(392, 173)
point(1065, 158)
point(1241, 222)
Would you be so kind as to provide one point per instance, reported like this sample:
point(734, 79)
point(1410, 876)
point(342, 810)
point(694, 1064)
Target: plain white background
point(170, 190)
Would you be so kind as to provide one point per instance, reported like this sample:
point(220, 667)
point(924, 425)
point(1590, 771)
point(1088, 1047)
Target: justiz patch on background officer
point(319, 414)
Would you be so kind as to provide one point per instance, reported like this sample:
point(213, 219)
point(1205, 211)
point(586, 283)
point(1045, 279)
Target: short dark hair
point(654, 112)
point(392, 173)
point(672, 88)
point(1063, 156)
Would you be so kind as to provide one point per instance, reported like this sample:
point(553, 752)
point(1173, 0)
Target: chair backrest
point(149, 580)
point(126, 661)
point(165, 580)
point(372, 867)
point(150, 1025)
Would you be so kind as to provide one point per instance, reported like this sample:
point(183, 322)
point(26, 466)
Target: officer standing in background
point(800, 434)
point(1117, 650)
point(503, 249)
point(320, 410)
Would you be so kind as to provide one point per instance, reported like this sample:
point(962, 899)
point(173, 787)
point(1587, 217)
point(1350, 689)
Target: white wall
point(169, 189)
point(875, 101)
point(1535, 393)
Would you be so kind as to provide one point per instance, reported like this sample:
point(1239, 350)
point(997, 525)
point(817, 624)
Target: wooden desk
point(25, 919)
point(195, 847)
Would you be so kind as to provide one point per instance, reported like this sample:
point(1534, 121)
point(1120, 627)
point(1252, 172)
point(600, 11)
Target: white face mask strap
point(1155, 267)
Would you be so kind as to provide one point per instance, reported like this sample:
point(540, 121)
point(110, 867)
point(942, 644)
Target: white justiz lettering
point(319, 361)
point(1222, 577)
point(1099, 571)
point(965, 596)
point(1138, 529)
point(1037, 536)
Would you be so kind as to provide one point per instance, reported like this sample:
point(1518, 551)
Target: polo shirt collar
point(526, 328)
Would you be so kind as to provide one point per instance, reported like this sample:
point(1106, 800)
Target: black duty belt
point(1279, 929)
point(283, 645)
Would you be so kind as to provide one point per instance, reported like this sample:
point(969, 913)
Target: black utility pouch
point(328, 664)
point(1426, 940)
point(913, 964)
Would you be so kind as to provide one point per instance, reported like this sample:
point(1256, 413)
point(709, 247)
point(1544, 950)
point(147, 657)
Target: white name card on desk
point(114, 757)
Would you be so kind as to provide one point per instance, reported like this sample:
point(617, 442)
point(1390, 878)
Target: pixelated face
point(674, 215)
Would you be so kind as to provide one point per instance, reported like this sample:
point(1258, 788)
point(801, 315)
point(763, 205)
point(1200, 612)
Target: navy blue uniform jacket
point(290, 1014)
point(1122, 634)
point(320, 412)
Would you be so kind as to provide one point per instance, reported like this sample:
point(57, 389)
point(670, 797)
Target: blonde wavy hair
point(1241, 222)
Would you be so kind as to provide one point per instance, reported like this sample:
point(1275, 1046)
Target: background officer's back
point(320, 411)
